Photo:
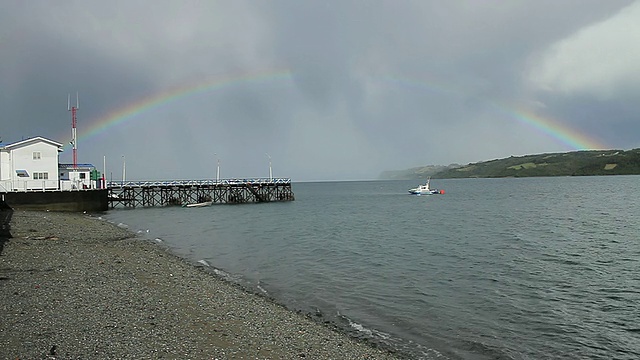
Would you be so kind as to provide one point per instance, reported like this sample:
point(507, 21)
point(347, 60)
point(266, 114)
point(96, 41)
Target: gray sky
point(331, 90)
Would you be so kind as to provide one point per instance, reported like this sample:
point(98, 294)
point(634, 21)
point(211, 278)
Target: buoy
point(441, 191)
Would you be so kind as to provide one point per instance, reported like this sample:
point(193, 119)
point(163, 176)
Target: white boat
point(202, 204)
point(425, 189)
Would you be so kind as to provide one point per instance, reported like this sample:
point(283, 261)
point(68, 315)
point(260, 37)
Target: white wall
point(71, 180)
point(21, 158)
point(5, 167)
point(5, 172)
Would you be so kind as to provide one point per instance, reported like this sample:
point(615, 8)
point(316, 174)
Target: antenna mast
point(74, 122)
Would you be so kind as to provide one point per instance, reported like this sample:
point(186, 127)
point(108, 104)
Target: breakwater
point(89, 200)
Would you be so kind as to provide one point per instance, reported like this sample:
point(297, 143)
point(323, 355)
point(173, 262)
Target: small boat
point(425, 189)
point(201, 204)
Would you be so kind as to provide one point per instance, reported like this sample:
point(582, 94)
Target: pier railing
point(152, 183)
point(43, 186)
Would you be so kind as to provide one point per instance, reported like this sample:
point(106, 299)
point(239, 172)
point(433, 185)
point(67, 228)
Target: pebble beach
point(74, 286)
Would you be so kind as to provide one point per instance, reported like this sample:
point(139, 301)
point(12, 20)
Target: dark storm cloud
point(41, 68)
point(372, 85)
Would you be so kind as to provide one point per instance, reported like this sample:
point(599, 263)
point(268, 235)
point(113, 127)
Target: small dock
point(134, 194)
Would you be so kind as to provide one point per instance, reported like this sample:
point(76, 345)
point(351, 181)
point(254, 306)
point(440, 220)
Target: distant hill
point(416, 173)
point(577, 163)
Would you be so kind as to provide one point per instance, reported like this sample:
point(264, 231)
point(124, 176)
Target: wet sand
point(77, 287)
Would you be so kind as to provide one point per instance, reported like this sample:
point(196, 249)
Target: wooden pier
point(185, 192)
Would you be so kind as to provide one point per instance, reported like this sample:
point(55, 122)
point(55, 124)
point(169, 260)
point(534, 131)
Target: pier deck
point(184, 192)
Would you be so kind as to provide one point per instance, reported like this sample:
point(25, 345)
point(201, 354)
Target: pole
point(270, 173)
point(74, 121)
point(104, 171)
point(124, 169)
point(218, 169)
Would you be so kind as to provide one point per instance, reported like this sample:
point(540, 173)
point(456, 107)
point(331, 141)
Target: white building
point(76, 178)
point(32, 165)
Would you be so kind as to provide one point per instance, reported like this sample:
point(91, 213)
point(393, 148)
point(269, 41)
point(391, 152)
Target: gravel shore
point(77, 287)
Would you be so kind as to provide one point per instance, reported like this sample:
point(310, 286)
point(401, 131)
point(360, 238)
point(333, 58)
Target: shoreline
point(76, 286)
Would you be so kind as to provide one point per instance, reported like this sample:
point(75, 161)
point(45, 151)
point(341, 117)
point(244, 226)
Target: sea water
point(530, 268)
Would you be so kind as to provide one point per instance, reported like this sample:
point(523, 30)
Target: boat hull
point(423, 192)
point(202, 204)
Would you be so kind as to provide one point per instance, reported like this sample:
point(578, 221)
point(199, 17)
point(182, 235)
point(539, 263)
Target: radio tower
point(74, 121)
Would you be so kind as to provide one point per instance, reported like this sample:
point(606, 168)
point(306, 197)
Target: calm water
point(494, 269)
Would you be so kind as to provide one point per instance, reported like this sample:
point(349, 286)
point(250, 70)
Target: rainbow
point(569, 137)
point(140, 105)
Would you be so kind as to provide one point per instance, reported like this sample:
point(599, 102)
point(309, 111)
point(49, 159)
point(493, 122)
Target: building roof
point(31, 140)
point(80, 166)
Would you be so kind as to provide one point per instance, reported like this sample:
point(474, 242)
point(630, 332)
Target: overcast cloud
point(362, 86)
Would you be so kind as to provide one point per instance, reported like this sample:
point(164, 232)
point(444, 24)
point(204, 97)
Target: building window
point(41, 175)
point(22, 173)
point(36, 155)
point(83, 176)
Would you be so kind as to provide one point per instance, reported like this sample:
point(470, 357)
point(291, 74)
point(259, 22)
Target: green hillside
point(577, 163)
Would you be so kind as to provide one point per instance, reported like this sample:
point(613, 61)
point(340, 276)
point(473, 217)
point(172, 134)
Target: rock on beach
point(74, 286)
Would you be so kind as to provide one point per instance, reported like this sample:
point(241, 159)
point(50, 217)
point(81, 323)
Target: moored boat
point(201, 204)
